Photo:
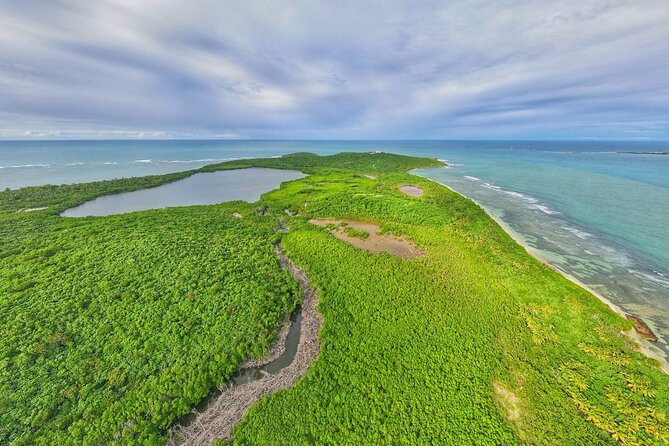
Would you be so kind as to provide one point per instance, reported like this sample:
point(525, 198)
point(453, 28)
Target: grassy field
point(113, 326)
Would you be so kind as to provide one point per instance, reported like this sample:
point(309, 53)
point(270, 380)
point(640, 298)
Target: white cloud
point(344, 69)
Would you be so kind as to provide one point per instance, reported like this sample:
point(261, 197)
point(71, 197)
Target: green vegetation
point(475, 342)
point(113, 326)
point(59, 198)
point(357, 233)
point(345, 162)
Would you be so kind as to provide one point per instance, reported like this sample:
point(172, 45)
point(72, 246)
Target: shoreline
point(409, 335)
point(644, 346)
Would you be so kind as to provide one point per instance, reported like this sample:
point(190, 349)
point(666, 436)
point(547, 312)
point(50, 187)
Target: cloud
point(301, 69)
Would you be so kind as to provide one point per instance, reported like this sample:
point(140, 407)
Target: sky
point(468, 69)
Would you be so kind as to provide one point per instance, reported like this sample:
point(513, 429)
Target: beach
point(648, 348)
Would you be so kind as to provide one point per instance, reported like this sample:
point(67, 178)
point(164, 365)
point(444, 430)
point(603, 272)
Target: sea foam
point(21, 166)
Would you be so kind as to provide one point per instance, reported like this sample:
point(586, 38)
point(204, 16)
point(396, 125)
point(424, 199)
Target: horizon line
point(566, 139)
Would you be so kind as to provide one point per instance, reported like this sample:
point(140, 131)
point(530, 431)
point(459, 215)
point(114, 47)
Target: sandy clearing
point(33, 209)
point(375, 243)
point(414, 191)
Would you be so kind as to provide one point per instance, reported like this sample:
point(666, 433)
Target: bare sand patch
point(513, 409)
point(508, 400)
point(414, 191)
point(373, 242)
point(33, 209)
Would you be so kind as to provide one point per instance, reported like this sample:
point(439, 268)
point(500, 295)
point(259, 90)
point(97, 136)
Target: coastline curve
point(643, 344)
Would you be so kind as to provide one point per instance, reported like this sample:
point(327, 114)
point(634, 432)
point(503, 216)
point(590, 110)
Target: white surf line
point(645, 347)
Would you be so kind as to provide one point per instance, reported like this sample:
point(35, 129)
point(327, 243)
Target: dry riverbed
point(218, 419)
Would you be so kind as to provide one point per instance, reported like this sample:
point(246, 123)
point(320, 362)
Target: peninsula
point(433, 326)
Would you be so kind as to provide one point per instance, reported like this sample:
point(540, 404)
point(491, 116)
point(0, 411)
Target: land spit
point(218, 419)
point(373, 241)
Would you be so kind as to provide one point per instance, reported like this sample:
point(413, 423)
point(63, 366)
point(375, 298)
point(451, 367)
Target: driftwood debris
point(229, 408)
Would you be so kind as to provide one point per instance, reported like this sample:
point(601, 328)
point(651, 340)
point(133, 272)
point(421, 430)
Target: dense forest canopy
point(114, 327)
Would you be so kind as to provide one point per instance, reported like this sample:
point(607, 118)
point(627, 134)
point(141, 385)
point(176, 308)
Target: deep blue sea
point(586, 207)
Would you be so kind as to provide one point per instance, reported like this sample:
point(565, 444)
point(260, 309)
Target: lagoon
point(197, 189)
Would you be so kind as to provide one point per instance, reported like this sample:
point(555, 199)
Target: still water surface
point(198, 189)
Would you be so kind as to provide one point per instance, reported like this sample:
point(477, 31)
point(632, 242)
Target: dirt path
point(229, 408)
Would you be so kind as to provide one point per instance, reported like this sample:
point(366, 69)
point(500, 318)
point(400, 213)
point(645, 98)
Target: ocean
point(597, 210)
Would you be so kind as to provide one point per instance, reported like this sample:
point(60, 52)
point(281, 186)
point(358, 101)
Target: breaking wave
point(21, 166)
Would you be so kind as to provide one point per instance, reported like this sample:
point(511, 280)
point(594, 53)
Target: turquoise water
point(586, 207)
point(597, 214)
